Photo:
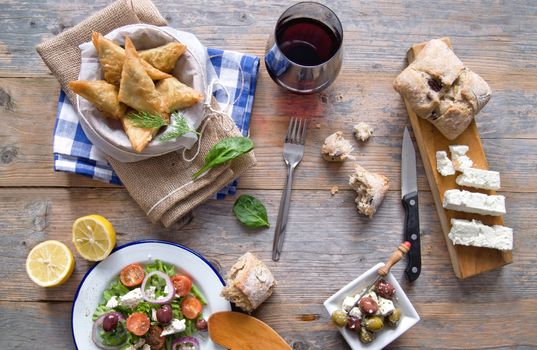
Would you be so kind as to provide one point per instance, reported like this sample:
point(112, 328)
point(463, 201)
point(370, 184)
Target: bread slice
point(249, 283)
point(370, 190)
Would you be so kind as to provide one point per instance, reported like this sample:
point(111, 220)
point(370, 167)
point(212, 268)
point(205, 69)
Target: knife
point(409, 194)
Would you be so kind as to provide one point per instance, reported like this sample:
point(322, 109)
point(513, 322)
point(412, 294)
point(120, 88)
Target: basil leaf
point(250, 211)
point(224, 151)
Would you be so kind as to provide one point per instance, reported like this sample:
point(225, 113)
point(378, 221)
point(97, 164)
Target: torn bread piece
point(362, 131)
point(459, 158)
point(444, 164)
point(370, 190)
point(478, 178)
point(475, 233)
point(249, 283)
point(336, 148)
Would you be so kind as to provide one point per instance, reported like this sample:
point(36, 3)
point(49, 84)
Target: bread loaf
point(440, 89)
point(248, 283)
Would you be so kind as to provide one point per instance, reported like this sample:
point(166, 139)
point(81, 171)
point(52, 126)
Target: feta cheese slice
point(151, 292)
point(112, 302)
point(386, 306)
point(472, 202)
point(459, 158)
point(478, 178)
point(444, 164)
point(176, 326)
point(475, 233)
point(348, 303)
point(132, 298)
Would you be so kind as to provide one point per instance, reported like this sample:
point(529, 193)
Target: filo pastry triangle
point(103, 95)
point(164, 57)
point(138, 91)
point(112, 57)
point(177, 95)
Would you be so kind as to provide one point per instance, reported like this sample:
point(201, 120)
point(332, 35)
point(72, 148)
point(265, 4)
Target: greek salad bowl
point(145, 288)
point(407, 315)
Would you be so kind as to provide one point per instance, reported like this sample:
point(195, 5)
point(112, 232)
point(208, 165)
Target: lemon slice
point(94, 237)
point(50, 263)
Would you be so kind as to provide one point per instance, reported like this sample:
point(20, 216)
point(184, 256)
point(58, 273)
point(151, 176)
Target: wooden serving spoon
point(237, 331)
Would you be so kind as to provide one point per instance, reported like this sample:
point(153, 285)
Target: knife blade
point(409, 194)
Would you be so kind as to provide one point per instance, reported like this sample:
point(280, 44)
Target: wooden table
point(327, 243)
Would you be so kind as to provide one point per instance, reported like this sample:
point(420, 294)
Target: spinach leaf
point(224, 151)
point(250, 211)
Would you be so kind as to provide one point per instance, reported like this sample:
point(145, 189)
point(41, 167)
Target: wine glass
point(305, 52)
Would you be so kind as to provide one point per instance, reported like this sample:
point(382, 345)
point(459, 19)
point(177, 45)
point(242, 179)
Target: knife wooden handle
point(396, 256)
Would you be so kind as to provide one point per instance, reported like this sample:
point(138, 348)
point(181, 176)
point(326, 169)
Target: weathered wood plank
point(53, 321)
point(30, 105)
point(489, 36)
point(341, 245)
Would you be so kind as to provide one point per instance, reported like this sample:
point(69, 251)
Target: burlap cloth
point(162, 186)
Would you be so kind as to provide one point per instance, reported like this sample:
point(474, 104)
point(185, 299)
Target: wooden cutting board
point(466, 261)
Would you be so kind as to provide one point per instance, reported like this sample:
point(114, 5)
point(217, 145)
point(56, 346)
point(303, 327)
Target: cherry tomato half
point(182, 284)
point(138, 323)
point(191, 307)
point(132, 275)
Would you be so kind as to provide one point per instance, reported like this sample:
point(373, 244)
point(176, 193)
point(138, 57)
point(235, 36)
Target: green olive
point(373, 323)
point(339, 317)
point(365, 335)
point(394, 317)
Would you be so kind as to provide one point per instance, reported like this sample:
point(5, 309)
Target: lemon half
point(50, 263)
point(94, 237)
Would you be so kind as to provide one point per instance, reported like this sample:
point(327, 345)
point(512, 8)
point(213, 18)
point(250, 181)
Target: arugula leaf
point(116, 289)
point(179, 128)
point(116, 337)
point(250, 211)
point(197, 293)
point(146, 120)
point(224, 151)
point(158, 265)
point(101, 310)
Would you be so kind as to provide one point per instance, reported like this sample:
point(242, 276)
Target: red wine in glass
point(304, 54)
point(307, 41)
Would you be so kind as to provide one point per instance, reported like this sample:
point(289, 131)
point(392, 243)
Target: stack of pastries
point(136, 81)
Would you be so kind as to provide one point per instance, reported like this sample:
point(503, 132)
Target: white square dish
point(409, 316)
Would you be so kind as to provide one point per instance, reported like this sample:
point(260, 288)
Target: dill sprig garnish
point(179, 127)
point(146, 120)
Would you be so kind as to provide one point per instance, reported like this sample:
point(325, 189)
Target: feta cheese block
point(459, 158)
point(386, 306)
point(475, 233)
point(112, 302)
point(355, 311)
point(176, 326)
point(348, 302)
point(478, 178)
point(473, 202)
point(132, 298)
point(444, 164)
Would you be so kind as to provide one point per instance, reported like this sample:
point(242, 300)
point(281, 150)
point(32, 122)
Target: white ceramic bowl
point(97, 279)
point(409, 316)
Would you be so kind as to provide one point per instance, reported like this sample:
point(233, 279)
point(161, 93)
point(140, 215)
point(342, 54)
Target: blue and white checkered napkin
point(73, 151)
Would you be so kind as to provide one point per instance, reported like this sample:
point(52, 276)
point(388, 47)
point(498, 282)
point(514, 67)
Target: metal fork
point(293, 151)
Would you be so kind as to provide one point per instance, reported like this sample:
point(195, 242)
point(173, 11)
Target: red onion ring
point(169, 284)
point(185, 340)
point(95, 331)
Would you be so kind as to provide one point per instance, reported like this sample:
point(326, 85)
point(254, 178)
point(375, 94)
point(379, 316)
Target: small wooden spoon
point(237, 331)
